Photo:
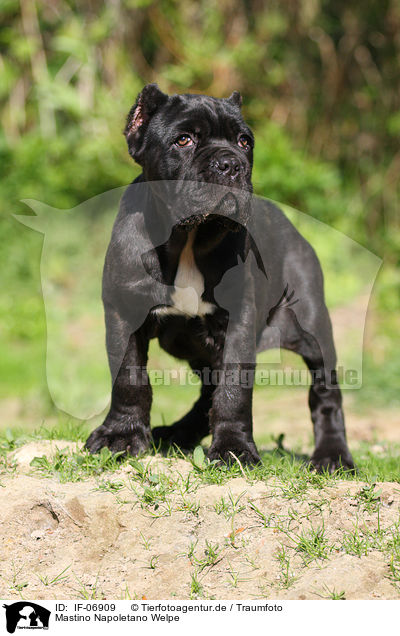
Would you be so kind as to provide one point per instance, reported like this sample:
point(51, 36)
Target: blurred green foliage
point(320, 81)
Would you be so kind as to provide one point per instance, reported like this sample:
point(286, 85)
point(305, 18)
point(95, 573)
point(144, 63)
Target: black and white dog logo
point(26, 615)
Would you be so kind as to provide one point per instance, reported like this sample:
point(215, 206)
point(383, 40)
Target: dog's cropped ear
point(147, 102)
point(235, 99)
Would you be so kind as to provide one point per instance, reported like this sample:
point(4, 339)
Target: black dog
point(216, 275)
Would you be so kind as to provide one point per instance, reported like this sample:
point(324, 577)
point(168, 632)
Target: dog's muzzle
point(224, 166)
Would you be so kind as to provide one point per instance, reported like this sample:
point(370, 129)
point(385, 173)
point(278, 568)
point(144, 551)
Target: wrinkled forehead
point(202, 114)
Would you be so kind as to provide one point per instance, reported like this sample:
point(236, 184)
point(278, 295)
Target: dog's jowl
point(216, 275)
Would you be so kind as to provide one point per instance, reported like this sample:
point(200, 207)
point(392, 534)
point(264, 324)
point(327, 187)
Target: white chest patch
point(188, 286)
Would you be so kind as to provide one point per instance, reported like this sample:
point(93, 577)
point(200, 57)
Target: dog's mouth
point(194, 220)
point(192, 203)
point(228, 211)
point(217, 221)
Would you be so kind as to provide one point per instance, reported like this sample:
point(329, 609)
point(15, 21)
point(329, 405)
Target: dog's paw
point(247, 455)
point(332, 462)
point(130, 444)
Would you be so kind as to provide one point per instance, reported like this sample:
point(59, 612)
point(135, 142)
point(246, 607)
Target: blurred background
point(320, 84)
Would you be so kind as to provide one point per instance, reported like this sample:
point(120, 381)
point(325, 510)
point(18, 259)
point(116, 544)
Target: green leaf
point(37, 462)
point(199, 457)
point(9, 436)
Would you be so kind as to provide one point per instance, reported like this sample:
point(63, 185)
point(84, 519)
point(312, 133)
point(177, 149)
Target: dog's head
point(192, 138)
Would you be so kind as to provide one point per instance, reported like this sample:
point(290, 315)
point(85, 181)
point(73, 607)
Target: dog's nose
point(228, 166)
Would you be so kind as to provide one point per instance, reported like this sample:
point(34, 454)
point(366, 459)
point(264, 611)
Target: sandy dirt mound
point(239, 540)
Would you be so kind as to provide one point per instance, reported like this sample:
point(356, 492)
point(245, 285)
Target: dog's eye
point(244, 142)
point(184, 140)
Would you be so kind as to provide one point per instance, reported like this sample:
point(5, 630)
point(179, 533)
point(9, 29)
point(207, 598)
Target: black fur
point(275, 298)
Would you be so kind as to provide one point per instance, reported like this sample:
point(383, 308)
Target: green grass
point(196, 588)
point(69, 466)
point(286, 577)
point(58, 578)
point(312, 544)
point(210, 556)
point(291, 470)
point(332, 594)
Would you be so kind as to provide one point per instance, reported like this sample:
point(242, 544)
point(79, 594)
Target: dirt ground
point(75, 540)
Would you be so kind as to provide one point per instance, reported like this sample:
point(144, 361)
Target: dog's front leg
point(231, 416)
point(231, 419)
point(127, 425)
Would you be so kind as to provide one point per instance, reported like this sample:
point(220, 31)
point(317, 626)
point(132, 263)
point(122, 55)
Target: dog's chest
point(188, 286)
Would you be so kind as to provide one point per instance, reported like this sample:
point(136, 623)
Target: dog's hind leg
point(315, 344)
point(192, 427)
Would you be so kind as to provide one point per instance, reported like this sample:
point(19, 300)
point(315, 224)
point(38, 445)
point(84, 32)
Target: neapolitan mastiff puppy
point(216, 275)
